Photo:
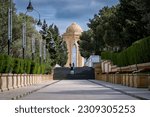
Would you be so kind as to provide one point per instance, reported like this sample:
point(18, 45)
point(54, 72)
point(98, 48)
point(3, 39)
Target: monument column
point(71, 36)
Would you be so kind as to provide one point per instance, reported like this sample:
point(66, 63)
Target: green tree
point(55, 45)
point(86, 44)
point(117, 27)
point(130, 19)
point(103, 26)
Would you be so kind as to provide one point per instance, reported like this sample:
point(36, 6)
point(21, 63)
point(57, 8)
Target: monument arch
point(72, 36)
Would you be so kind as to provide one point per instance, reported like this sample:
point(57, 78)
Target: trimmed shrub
point(27, 66)
point(1, 63)
point(139, 52)
point(38, 69)
point(16, 67)
point(32, 67)
point(43, 69)
point(22, 64)
point(7, 64)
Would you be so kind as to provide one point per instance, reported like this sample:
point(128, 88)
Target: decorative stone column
point(14, 80)
point(19, 80)
point(3, 82)
point(10, 81)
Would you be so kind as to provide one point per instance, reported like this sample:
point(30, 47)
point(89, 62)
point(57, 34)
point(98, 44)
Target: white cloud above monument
point(65, 11)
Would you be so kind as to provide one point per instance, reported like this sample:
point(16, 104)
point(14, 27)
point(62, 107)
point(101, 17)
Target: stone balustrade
point(130, 80)
point(126, 76)
point(13, 81)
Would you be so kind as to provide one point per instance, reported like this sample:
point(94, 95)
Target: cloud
point(77, 8)
point(63, 12)
point(65, 9)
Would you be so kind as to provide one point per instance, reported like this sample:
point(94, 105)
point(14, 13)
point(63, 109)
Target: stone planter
point(3, 82)
point(10, 81)
point(141, 80)
point(14, 80)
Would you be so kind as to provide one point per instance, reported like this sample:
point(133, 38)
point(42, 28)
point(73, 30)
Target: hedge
point(20, 66)
point(139, 52)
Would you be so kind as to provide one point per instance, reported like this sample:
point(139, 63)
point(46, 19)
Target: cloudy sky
point(63, 12)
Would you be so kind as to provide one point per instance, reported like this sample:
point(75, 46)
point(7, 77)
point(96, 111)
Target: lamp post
point(33, 48)
point(40, 51)
point(52, 43)
point(44, 51)
point(9, 25)
point(29, 9)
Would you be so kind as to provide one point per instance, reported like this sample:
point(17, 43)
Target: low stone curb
point(32, 91)
point(121, 91)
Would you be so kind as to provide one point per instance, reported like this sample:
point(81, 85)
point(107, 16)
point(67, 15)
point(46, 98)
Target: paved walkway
point(76, 90)
point(18, 93)
point(139, 93)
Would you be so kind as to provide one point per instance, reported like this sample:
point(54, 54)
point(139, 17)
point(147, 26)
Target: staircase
point(80, 73)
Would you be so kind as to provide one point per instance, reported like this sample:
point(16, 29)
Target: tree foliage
point(86, 44)
point(116, 28)
point(56, 52)
point(55, 45)
point(17, 21)
point(135, 54)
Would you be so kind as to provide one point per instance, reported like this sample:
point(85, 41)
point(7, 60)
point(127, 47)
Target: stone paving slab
point(20, 92)
point(77, 90)
point(141, 93)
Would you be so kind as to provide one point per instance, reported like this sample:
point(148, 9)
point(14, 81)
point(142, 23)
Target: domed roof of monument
point(73, 28)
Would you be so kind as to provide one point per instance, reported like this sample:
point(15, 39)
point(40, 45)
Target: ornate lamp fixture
point(30, 7)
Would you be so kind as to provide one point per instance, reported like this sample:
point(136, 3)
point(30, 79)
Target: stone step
point(79, 73)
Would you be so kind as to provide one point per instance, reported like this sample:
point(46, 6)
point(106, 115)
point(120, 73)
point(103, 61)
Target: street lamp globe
point(29, 7)
point(39, 23)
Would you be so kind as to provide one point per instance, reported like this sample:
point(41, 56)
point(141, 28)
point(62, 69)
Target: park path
point(77, 90)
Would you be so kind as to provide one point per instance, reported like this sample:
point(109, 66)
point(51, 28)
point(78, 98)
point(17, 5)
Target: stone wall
point(128, 76)
point(13, 81)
